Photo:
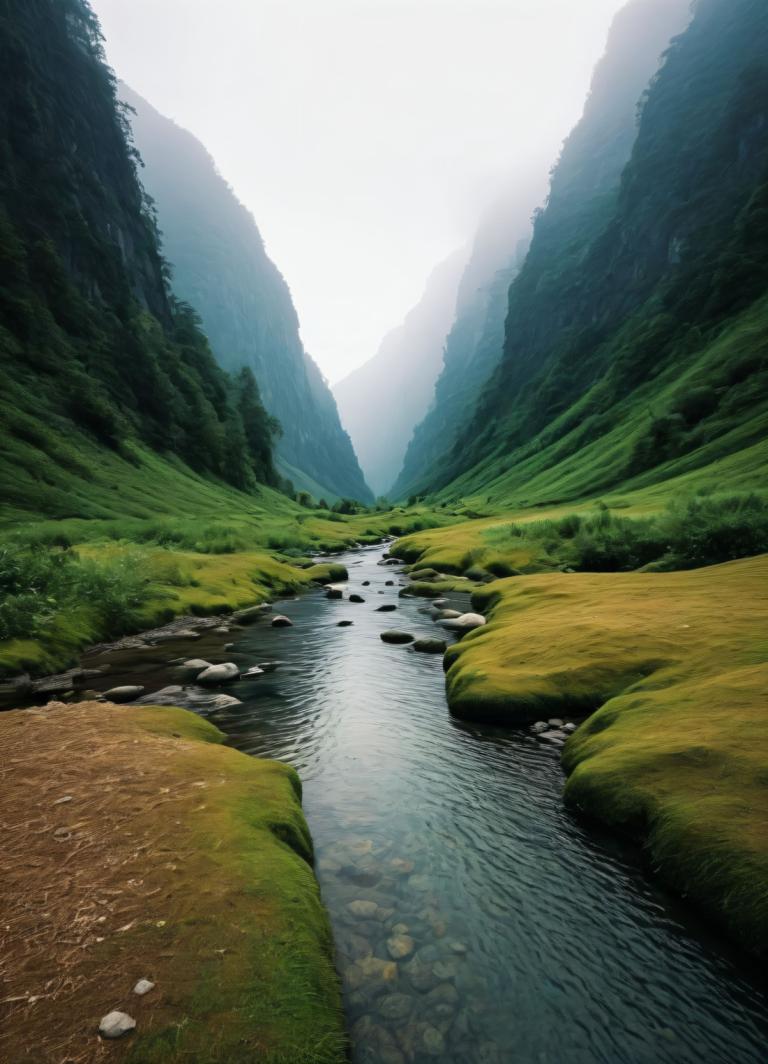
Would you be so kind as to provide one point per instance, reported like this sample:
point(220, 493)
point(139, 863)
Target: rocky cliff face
point(221, 268)
point(384, 399)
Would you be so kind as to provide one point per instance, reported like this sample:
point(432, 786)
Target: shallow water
point(530, 938)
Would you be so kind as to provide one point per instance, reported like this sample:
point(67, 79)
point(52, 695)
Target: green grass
point(673, 669)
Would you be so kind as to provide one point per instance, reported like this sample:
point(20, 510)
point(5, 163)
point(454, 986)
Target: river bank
point(672, 672)
point(143, 849)
point(475, 919)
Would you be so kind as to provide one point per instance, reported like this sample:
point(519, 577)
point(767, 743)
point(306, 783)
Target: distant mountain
point(383, 400)
point(618, 367)
point(99, 366)
point(474, 344)
point(220, 267)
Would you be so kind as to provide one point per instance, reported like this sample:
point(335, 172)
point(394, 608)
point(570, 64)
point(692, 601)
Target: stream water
point(476, 921)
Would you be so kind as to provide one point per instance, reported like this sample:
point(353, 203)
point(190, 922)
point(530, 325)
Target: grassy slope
point(590, 460)
point(221, 911)
point(676, 667)
point(204, 546)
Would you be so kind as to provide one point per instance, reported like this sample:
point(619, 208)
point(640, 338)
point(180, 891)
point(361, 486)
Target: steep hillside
point(220, 267)
point(94, 348)
point(383, 400)
point(636, 337)
point(473, 346)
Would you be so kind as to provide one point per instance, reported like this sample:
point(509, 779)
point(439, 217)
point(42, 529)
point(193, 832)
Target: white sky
point(366, 136)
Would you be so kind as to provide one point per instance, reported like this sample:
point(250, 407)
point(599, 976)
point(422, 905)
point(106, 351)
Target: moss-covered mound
point(145, 849)
point(676, 667)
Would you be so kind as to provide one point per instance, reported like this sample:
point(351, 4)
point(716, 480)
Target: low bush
point(694, 532)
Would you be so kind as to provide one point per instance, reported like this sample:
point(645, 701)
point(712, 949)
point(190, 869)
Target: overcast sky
point(366, 136)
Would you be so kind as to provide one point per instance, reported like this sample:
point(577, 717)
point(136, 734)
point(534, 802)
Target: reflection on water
point(476, 922)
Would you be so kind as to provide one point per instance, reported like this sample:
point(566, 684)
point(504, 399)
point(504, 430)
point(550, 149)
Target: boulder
point(334, 593)
point(281, 622)
point(430, 646)
point(356, 598)
point(127, 693)
point(387, 608)
point(397, 637)
point(216, 674)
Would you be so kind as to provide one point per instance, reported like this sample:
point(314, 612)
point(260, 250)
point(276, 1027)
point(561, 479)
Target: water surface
point(528, 938)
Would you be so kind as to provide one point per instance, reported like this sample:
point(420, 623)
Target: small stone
point(388, 607)
point(400, 946)
point(334, 593)
point(345, 624)
point(434, 1043)
point(281, 622)
point(458, 948)
point(116, 1024)
point(395, 1006)
point(221, 630)
point(62, 801)
point(389, 583)
point(356, 598)
point(123, 694)
point(555, 722)
point(255, 670)
point(143, 987)
point(401, 866)
point(539, 727)
point(430, 646)
point(366, 910)
point(366, 583)
point(569, 728)
point(397, 637)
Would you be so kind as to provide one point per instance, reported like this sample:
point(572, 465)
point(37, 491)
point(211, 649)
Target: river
point(529, 938)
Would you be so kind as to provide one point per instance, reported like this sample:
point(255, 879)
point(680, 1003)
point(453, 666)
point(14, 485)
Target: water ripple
point(535, 941)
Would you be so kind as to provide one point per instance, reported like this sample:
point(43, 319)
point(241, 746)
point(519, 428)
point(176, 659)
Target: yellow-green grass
point(673, 668)
point(177, 859)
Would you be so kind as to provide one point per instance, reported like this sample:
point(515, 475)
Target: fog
point(366, 136)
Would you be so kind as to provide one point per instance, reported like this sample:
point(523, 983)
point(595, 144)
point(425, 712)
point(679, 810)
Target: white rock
point(123, 694)
point(281, 622)
point(143, 987)
point(116, 1024)
point(219, 673)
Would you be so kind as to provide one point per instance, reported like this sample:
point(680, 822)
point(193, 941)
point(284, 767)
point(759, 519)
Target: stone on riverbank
point(127, 693)
point(189, 698)
point(216, 674)
point(115, 1024)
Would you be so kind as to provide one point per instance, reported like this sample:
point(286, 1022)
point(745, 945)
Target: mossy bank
point(147, 850)
point(673, 668)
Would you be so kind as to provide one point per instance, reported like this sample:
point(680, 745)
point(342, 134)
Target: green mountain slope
point(220, 266)
point(96, 354)
point(584, 185)
point(635, 341)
